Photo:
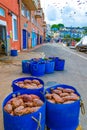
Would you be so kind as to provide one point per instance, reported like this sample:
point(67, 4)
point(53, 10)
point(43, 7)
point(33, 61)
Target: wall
point(38, 28)
point(11, 5)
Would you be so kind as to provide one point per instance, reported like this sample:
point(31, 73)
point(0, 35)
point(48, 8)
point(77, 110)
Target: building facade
point(31, 24)
point(21, 25)
point(9, 26)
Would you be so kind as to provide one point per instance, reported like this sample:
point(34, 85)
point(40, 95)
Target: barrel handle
point(38, 121)
point(82, 107)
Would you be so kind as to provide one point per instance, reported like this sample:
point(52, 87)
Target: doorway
point(25, 39)
point(34, 39)
point(3, 41)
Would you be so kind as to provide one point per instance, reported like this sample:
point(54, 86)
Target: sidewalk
point(23, 55)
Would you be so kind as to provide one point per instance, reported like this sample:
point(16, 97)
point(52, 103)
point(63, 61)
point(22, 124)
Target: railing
point(38, 13)
point(31, 4)
point(36, 3)
point(44, 23)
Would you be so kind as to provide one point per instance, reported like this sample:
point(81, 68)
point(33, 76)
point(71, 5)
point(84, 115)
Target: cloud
point(67, 9)
point(80, 20)
point(68, 12)
point(51, 13)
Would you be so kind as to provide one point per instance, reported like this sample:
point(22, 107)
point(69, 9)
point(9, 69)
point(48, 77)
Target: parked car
point(82, 44)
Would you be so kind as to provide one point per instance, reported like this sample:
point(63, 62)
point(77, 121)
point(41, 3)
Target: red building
point(31, 23)
point(9, 26)
point(21, 24)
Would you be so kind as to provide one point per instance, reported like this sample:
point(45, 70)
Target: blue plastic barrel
point(24, 122)
point(14, 53)
point(62, 116)
point(25, 66)
point(49, 67)
point(37, 68)
point(55, 59)
point(60, 64)
point(16, 88)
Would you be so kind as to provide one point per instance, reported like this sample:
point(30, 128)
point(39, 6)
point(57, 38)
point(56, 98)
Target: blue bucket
point(59, 66)
point(62, 116)
point(37, 68)
point(55, 59)
point(14, 53)
point(25, 66)
point(16, 88)
point(49, 67)
point(24, 122)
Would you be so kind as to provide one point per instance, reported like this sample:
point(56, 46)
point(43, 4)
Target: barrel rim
point(55, 86)
point(24, 78)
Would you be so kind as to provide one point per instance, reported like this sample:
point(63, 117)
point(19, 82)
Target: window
point(23, 10)
point(28, 15)
point(14, 27)
point(2, 12)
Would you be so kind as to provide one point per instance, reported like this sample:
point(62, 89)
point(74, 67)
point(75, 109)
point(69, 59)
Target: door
point(3, 42)
point(34, 39)
point(40, 39)
point(25, 39)
point(37, 39)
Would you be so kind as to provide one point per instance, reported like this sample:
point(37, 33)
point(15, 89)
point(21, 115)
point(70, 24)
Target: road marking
point(75, 53)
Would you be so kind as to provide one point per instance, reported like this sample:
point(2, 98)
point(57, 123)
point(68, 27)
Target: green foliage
point(57, 26)
point(85, 27)
point(77, 39)
point(67, 36)
point(54, 26)
point(85, 31)
point(60, 26)
point(68, 39)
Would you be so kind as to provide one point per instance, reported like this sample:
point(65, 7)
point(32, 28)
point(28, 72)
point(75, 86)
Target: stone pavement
point(10, 69)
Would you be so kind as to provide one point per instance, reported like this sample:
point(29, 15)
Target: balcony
point(31, 4)
point(44, 24)
point(38, 13)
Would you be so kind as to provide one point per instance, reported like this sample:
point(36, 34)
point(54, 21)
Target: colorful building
point(25, 22)
point(21, 25)
point(31, 23)
point(9, 26)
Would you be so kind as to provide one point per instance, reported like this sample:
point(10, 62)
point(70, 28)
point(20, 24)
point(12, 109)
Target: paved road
point(75, 73)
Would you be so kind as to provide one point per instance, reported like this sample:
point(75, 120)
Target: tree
point(54, 27)
point(67, 36)
point(60, 26)
point(85, 31)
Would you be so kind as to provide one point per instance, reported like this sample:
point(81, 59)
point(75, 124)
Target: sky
point(68, 12)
